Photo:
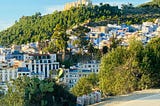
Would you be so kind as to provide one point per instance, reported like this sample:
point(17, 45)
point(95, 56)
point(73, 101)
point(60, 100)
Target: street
point(153, 100)
point(150, 97)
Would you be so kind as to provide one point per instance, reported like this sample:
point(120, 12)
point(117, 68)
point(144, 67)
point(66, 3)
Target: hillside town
point(85, 53)
point(29, 59)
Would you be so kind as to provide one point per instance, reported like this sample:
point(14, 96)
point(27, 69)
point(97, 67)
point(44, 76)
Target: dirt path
point(116, 100)
point(153, 100)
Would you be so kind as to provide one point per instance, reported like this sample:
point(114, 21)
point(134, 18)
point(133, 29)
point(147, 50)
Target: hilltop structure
point(77, 3)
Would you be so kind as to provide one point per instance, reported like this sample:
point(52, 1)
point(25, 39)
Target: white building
point(93, 66)
point(6, 74)
point(72, 75)
point(34, 65)
point(148, 27)
point(157, 32)
point(23, 71)
point(40, 64)
point(99, 29)
point(5, 54)
point(2, 58)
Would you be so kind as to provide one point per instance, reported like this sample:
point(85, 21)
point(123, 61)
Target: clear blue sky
point(11, 10)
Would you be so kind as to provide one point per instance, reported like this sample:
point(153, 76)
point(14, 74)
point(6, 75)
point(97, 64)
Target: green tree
point(82, 87)
point(81, 41)
point(60, 39)
point(86, 85)
point(151, 61)
point(124, 70)
point(26, 91)
point(114, 42)
point(109, 61)
point(93, 80)
point(91, 50)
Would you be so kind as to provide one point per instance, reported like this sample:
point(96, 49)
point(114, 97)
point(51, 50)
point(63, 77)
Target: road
point(137, 98)
point(153, 100)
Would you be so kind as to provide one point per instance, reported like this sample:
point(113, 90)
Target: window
point(48, 57)
point(43, 57)
point(37, 68)
point(49, 61)
point(40, 61)
point(49, 66)
point(32, 67)
point(57, 66)
point(53, 66)
point(93, 70)
point(45, 66)
point(45, 61)
point(27, 65)
point(6, 78)
point(37, 61)
point(85, 66)
point(41, 68)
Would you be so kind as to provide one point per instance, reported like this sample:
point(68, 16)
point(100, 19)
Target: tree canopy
point(85, 85)
point(136, 67)
point(25, 91)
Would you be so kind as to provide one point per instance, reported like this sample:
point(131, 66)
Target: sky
point(12, 10)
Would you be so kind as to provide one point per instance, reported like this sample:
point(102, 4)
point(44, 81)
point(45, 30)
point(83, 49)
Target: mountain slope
point(37, 27)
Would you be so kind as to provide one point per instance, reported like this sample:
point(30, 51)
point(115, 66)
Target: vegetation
point(37, 27)
point(85, 85)
point(27, 91)
point(81, 42)
point(124, 70)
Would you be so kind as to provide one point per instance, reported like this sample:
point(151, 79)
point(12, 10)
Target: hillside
point(156, 2)
point(37, 27)
point(153, 4)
